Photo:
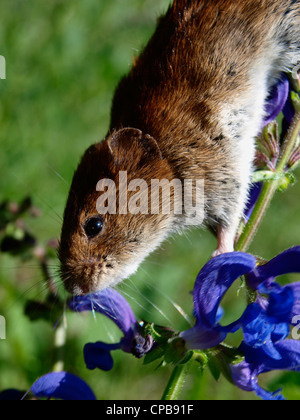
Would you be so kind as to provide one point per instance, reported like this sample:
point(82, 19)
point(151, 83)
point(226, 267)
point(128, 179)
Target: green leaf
point(214, 367)
point(159, 334)
point(201, 357)
point(176, 351)
point(219, 360)
point(154, 355)
point(187, 358)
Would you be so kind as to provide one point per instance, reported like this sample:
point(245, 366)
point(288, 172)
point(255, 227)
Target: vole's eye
point(93, 227)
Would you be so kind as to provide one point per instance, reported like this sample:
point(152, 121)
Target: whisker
point(60, 219)
point(134, 288)
point(102, 319)
point(23, 295)
point(176, 306)
point(136, 302)
point(59, 176)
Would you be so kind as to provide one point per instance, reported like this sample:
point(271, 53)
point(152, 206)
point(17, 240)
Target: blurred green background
point(64, 59)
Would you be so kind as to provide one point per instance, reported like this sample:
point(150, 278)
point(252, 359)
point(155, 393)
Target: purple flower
point(265, 323)
point(211, 285)
point(276, 100)
point(113, 305)
point(288, 112)
point(253, 197)
point(264, 275)
point(63, 386)
point(245, 375)
point(246, 379)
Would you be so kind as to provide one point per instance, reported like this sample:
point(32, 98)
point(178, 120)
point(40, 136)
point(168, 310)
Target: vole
point(189, 109)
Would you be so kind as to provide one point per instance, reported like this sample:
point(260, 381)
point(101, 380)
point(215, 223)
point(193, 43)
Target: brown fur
point(201, 62)
point(197, 60)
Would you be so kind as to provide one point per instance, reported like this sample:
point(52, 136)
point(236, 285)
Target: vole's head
point(104, 236)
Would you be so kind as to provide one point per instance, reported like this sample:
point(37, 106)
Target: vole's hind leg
point(226, 237)
point(235, 195)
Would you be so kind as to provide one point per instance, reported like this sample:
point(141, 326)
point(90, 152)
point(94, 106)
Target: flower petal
point(289, 351)
point(253, 197)
point(289, 113)
point(62, 385)
point(211, 285)
point(97, 355)
point(245, 377)
point(281, 303)
point(266, 395)
point(199, 338)
point(262, 331)
point(255, 326)
point(290, 356)
point(242, 376)
point(213, 282)
point(287, 262)
point(276, 100)
point(109, 303)
point(289, 110)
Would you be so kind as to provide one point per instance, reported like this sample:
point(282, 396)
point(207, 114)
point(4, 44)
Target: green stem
point(265, 198)
point(176, 382)
point(269, 188)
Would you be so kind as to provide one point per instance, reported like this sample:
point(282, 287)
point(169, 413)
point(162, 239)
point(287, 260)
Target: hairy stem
point(263, 203)
point(176, 382)
point(269, 188)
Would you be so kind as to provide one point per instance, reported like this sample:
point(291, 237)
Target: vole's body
point(195, 99)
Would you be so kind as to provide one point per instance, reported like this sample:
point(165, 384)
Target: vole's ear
point(131, 145)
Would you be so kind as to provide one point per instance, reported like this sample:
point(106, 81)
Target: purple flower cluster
point(65, 386)
point(265, 323)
